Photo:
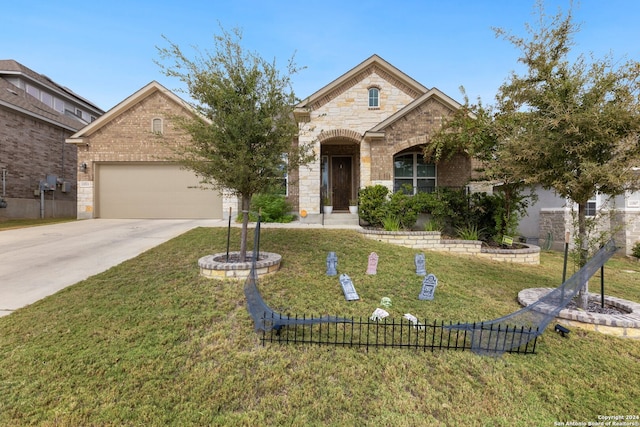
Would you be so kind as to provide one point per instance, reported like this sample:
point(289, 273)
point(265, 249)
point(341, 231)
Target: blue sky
point(105, 51)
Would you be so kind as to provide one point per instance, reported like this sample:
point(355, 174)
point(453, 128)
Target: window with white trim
point(374, 97)
point(156, 126)
point(410, 169)
point(282, 187)
point(595, 204)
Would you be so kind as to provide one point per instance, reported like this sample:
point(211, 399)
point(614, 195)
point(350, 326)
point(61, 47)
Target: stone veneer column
point(85, 200)
point(365, 164)
point(309, 182)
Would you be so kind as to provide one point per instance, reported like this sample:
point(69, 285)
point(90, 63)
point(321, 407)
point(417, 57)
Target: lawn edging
point(432, 240)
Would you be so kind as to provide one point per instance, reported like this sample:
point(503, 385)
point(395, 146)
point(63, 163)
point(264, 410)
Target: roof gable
point(147, 91)
point(430, 95)
point(350, 78)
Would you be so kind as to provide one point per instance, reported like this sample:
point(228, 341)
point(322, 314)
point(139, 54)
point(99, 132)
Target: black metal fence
point(366, 333)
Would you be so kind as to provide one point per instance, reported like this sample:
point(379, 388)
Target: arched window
point(156, 126)
point(412, 174)
point(374, 97)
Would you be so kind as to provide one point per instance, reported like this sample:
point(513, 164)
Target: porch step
point(341, 218)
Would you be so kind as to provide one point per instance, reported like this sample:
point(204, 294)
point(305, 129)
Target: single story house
point(367, 127)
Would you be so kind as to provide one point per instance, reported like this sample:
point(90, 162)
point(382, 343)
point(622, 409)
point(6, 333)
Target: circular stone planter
point(216, 266)
point(625, 325)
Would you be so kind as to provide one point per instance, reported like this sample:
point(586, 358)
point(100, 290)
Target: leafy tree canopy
point(243, 137)
point(570, 125)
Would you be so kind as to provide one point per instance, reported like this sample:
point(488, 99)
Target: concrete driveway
point(39, 261)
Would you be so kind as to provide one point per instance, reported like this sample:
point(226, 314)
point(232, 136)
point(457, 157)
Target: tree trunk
point(246, 203)
point(583, 295)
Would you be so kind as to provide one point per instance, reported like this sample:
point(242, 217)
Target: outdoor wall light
point(83, 167)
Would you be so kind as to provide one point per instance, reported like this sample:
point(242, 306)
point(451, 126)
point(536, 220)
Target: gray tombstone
point(332, 264)
point(428, 287)
point(421, 268)
point(372, 267)
point(350, 293)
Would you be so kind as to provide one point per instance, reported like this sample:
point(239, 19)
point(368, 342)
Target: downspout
point(41, 200)
point(3, 203)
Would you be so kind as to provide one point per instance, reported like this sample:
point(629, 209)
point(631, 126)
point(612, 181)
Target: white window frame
point(415, 178)
point(154, 129)
point(371, 91)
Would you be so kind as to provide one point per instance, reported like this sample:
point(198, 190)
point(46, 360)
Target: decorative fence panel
point(366, 333)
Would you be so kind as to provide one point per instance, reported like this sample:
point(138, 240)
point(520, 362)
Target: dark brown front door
point(341, 180)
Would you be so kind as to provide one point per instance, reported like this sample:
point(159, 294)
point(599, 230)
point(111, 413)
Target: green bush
point(391, 223)
point(469, 232)
point(402, 206)
point(272, 208)
point(636, 250)
point(372, 204)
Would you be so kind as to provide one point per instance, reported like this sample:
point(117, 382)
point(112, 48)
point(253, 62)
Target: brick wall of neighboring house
point(622, 226)
point(29, 150)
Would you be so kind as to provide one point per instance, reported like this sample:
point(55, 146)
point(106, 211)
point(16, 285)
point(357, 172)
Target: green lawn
point(149, 342)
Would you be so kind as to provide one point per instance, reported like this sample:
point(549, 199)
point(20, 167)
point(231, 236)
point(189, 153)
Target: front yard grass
point(150, 342)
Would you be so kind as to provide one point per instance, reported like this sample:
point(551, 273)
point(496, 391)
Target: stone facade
point(622, 225)
point(338, 122)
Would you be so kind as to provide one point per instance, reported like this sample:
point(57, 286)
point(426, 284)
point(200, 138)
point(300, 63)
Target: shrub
point(372, 204)
point(433, 225)
point(469, 232)
point(272, 208)
point(402, 206)
point(636, 250)
point(391, 223)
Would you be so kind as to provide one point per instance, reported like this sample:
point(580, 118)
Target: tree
point(571, 126)
point(243, 138)
point(477, 131)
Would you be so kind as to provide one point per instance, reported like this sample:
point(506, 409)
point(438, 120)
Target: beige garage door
point(143, 190)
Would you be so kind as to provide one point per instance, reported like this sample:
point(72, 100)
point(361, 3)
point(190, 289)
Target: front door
point(341, 181)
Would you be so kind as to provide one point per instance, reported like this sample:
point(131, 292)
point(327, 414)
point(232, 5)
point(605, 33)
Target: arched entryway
point(340, 171)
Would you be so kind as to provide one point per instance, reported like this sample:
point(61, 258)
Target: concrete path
point(38, 261)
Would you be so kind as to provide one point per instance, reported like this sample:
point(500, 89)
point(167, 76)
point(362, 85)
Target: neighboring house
point(368, 127)
point(125, 167)
point(37, 169)
point(552, 216)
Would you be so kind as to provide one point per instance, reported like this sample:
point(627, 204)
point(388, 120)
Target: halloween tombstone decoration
point(428, 287)
point(332, 264)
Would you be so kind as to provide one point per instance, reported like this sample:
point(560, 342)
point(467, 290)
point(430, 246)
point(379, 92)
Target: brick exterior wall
point(29, 150)
point(129, 137)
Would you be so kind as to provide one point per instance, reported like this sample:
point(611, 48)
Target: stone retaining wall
point(625, 325)
point(212, 267)
point(431, 240)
